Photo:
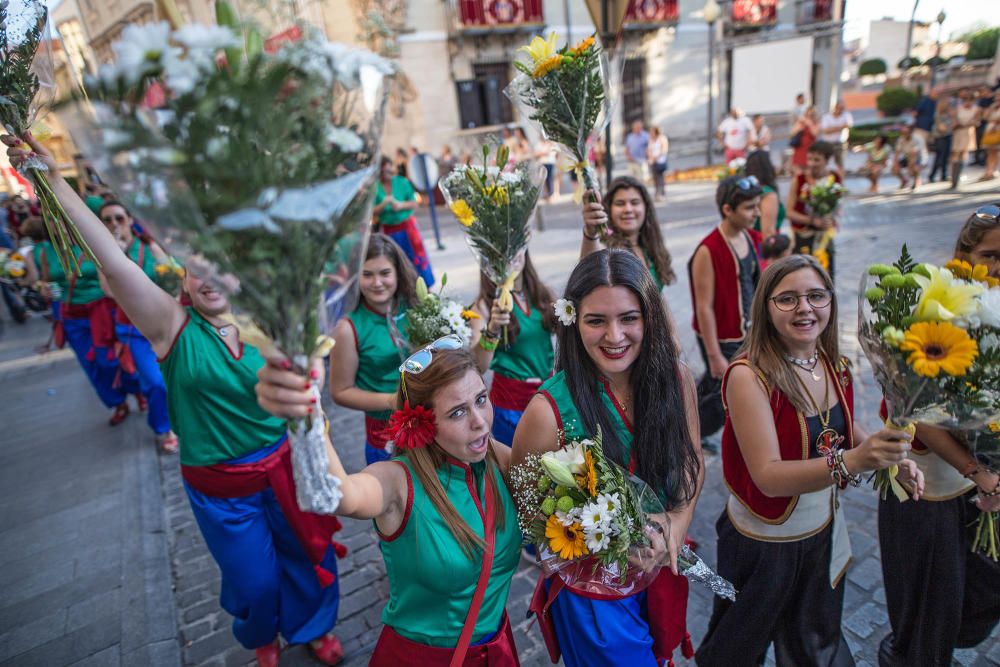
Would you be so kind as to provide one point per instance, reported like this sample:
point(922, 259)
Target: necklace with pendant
point(828, 438)
point(808, 364)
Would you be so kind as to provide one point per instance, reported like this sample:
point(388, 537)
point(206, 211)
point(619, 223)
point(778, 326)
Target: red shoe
point(119, 415)
point(267, 656)
point(327, 649)
point(141, 402)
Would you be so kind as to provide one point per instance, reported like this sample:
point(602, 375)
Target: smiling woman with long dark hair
point(618, 372)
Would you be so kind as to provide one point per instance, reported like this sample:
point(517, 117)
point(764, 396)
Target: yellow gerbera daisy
point(463, 212)
point(567, 542)
point(938, 346)
point(546, 66)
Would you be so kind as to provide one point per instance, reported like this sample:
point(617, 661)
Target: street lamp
point(937, 54)
point(711, 14)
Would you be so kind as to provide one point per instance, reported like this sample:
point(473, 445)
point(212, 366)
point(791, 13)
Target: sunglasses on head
point(418, 362)
point(747, 183)
point(988, 213)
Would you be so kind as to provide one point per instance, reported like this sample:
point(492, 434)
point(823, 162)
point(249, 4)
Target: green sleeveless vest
point(45, 253)
point(148, 265)
point(210, 396)
point(568, 418)
point(652, 271)
point(531, 355)
point(431, 582)
point(378, 356)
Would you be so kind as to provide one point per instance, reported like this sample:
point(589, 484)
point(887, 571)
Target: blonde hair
point(763, 347)
point(447, 366)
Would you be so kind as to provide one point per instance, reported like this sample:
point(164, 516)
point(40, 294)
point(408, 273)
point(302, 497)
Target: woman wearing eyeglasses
point(524, 359)
point(782, 537)
point(442, 509)
point(363, 368)
point(278, 564)
point(619, 373)
point(134, 353)
point(941, 591)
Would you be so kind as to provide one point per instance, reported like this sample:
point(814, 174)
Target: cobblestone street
point(88, 532)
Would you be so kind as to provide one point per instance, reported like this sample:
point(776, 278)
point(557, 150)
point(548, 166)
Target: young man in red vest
point(724, 271)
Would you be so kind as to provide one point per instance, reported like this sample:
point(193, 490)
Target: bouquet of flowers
point(26, 89)
point(932, 335)
point(12, 264)
point(736, 167)
point(494, 205)
point(436, 315)
point(255, 171)
point(593, 523)
point(566, 93)
point(169, 275)
point(822, 200)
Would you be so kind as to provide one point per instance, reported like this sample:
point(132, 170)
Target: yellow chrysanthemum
point(463, 212)
point(471, 315)
point(939, 346)
point(942, 298)
point(546, 66)
point(583, 46)
point(980, 272)
point(565, 541)
point(541, 49)
point(994, 427)
point(823, 257)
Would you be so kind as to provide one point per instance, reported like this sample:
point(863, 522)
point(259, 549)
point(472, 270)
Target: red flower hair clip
point(412, 428)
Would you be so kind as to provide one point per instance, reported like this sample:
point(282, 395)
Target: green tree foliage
point(893, 101)
point(873, 66)
point(982, 43)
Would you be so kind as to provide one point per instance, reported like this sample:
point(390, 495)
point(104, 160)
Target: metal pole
point(711, 61)
point(605, 31)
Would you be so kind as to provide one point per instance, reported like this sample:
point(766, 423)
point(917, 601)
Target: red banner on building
point(499, 13)
point(755, 12)
point(644, 12)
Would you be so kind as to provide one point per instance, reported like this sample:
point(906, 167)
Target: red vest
point(728, 302)
point(793, 443)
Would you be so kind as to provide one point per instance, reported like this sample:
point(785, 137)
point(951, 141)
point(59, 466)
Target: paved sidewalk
point(84, 578)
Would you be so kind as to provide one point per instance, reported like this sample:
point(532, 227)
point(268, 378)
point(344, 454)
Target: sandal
point(119, 415)
point(327, 649)
point(141, 402)
point(267, 656)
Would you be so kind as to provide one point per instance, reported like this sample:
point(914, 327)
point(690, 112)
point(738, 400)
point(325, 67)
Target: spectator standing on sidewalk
point(834, 129)
point(763, 132)
point(737, 134)
point(804, 133)
point(910, 157)
point(963, 139)
point(656, 154)
point(923, 115)
point(636, 143)
point(990, 141)
point(944, 125)
point(984, 100)
point(724, 271)
point(798, 109)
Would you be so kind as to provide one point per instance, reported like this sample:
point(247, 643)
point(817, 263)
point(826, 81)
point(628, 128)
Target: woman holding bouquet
point(618, 374)
point(445, 517)
point(940, 588)
point(278, 563)
point(135, 355)
point(783, 538)
point(524, 360)
point(364, 367)
point(395, 202)
point(811, 233)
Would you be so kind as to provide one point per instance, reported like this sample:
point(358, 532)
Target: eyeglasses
point(789, 301)
point(418, 362)
point(988, 213)
point(114, 218)
point(748, 183)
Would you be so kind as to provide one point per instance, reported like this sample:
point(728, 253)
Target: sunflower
point(546, 66)
point(463, 212)
point(568, 542)
point(938, 346)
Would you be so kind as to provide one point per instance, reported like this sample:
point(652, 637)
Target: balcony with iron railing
point(651, 14)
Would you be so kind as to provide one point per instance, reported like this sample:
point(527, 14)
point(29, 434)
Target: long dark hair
point(664, 453)
point(538, 293)
point(381, 245)
point(759, 164)
point(650, 238)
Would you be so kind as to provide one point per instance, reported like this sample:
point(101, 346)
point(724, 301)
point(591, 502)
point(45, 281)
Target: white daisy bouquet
point(493, 203)
point(823, 197)
point(566, 92)
point(254, 167)
point(436, 315)
point(594, 524)
point(27, 88)
point(932, 335)
point(735, 167)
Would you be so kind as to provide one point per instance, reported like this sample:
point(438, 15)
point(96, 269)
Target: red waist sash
point(224, 480)
point(666, 601)
point(393, 650)
point(511, 394)
point(376, 432)
point(100, 314)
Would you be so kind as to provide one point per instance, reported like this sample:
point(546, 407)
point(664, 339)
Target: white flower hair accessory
point(565, 311)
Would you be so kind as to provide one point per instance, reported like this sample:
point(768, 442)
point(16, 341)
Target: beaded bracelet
point(489, 345)
point(855, 480)
point(831, 463)
point(589, 237)
point(990, 494)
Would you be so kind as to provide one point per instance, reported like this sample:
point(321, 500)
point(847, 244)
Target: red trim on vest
point(406, 510)
point(555, 411)
point(510, 394)
point(793, 443)
point(727, 303)
point(618, 406)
